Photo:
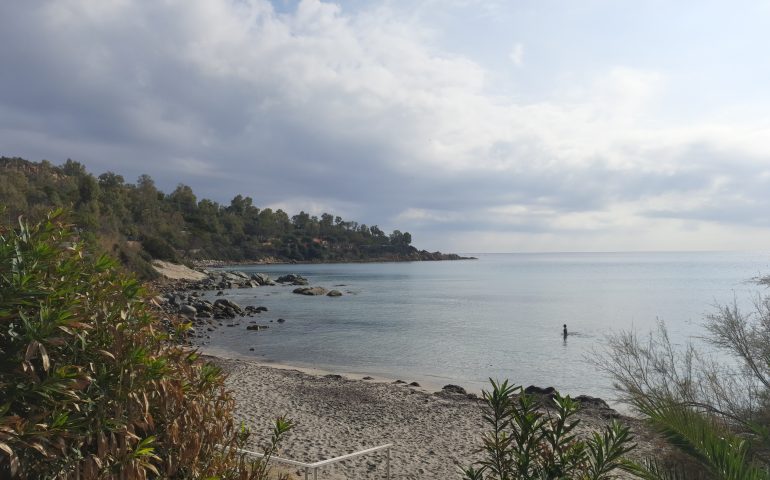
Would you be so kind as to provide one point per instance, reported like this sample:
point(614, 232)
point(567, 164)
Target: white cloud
point(517, 54)
point(361, 114)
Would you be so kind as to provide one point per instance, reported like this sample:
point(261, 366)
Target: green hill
point(137, 222)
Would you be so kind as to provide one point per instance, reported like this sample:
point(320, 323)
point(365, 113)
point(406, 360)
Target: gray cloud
point(356, 113)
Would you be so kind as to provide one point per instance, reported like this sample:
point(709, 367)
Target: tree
point(183, 199)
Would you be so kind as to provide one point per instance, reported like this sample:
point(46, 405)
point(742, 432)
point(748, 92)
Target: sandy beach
point(433, 433)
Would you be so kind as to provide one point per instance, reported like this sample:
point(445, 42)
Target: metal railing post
point(315, 473)
point(387, 465)
point(307, 472)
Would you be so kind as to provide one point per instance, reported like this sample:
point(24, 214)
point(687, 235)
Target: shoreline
point(433, 433)
point(347, 374)
point(209, 263)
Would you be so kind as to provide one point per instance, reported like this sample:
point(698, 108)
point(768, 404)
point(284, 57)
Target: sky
point(478, 126)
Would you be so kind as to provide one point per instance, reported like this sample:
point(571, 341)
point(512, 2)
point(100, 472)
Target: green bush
point(159, 248)
point(525, 441)
point(91, 385)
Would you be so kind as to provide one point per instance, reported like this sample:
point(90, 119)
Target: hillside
point(137, 222)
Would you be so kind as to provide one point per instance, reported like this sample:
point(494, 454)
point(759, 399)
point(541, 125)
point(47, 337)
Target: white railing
point(316, 465)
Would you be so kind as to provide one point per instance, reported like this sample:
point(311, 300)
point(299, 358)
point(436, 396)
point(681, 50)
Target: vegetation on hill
point(92, 385)
point(137, 222)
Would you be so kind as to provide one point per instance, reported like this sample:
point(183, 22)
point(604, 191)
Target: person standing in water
point(565, 331)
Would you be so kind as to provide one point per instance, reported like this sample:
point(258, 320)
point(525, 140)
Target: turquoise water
point(499, 316)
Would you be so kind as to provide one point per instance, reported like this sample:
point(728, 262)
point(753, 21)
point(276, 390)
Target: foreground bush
point(716, 413)
point(90, 385)
point(525, 441)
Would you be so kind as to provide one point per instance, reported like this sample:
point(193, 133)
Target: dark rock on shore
point(293, 279)
point(455, 389)
point(593, 402)
point(310, 291)
point(549, 392)
point(334, 293)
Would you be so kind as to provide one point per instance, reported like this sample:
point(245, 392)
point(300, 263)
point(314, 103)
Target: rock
point(235, 276)
point(293, 279)
point(333, 376)
point(454, 389)
point(594, 402)
point(251, 349)
point(188, 310)
point(334, 293)
point(549, 392)
point(399, 382)
point(204, 306)
point(414, 384)
point(368, 378)
point(253, 327)
point(310, 291)
point(280, 320)
point(174, 299)
point(261, 309)
point(262, 279)
point(228, 304)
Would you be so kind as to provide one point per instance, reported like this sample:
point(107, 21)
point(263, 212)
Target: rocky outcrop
point(334, 293)
point(175, 271)
point(310, 291)
point(292, 279)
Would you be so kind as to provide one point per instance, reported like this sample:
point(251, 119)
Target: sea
point(500, 316)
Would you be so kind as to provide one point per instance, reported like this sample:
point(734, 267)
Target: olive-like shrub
point(91, 384)
point(526, 441)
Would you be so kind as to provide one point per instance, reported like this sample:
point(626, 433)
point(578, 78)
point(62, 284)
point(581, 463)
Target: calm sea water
point(499, 316)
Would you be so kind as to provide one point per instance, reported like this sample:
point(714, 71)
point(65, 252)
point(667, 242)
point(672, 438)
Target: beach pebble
point(414, 384)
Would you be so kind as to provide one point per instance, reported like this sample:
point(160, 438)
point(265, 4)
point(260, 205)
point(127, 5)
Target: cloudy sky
point(528, 125)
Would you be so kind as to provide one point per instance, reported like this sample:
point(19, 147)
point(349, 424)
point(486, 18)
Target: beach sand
point(433, 434)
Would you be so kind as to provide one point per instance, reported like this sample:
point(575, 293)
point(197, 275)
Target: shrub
point(527, 442)
point(159, 248)
point(90, 385)
point(715, 412)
